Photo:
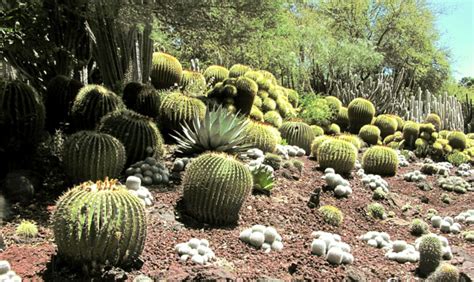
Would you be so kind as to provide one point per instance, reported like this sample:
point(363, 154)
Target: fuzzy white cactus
point(197, 250)
point(260, 236)
point(336, 182)
point(330, 245)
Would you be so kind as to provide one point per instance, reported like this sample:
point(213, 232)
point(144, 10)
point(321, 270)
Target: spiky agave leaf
point(263, 179)
point(219, 131)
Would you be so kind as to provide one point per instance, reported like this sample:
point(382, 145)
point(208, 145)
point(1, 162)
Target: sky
point(455, 21)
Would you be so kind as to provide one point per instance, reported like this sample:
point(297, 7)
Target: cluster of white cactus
point(133, 185)
point(331, 246)
point(374, 181)
point(454, 183)
point(445, 224)
point(466, 217)
point(197, 250)
point(402, 161)
point(376, 239)
point(180, 164)
point(287, 151)
point(7, 274)
point(336, 182)
point(446, 252)
point(400, 251)
point(414, 176)
point(260, 236)
point(257, 157)
point(464, 170)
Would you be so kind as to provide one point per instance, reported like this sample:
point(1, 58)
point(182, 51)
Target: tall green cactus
point(380, 160)
point(166, 71)
point(215, 74)
point(298, 133)
point(360, 112)
point(99, 224)
point(215, 187)
point(430, 254)
point(91, 104)
point(143, 99)
point(138, 134)
point(370, 134)
point(90, 155)
point(337, 154)
point(22, 115)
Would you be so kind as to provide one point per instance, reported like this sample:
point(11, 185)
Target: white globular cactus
point(7, 274)
point(133, 185)
point(446, 224)
point(464, 170)
point(414, 176)
point(402, 252)
point(330, 245)
point(374, 181)
point(337, 183)
point(402, 160)
point(466, 217)
point(198, 251)
point(376, 239)
point(287, 151)
point(262, 237)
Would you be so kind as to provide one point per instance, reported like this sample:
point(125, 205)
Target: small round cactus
point(215, 74)
point(360, 112)
point(411, 130)
point(418, 227)
point(430, 254)
point(387, 124)
point(273, 118)
point(317, 130)
point(166, 71)
point(262, 136)
point(331, 215)
point(435, 120)
point(337, 154)
point(457, 140)
point(370, 134)
point(238, 70)
point(342, 118)
point(316, 143)
point(376, 210)
point(380, 160)
point(445, 273)
point(26, 230)
point(192, 81)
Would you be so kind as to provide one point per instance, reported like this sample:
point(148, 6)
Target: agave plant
point(263, 179)
point(219, 131)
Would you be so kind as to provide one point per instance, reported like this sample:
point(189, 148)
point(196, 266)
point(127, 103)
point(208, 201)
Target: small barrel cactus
point(360, 112)
point(380, 160)
point(418, 227)
point(334, 103)
point(446, 272)
point(215, 74)
point(293, 97)
point(238, 70)
point(246, 92)
point(26, 230)
point(331, 215)
point(144, 100)
point(376, 210)
point(193, 81)
point(342, 118)
point(430, 254)
point(316, 143)
point(435, 120)
point(370, 134)
point(387, 125)
point(353, 139)
point(262, 136)
point(215, 187)
point(457, 140)
point(337, 154)
point(89, 155)
point(97, 224)
point(411, 130)
point(256, 114)
point(298, 133)
point(273, 118)
point(166, 71)
point(269, 104)
point(317, 130)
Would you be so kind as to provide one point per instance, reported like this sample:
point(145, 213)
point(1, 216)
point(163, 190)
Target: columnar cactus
point(238, 70)
point(435, 120)
point(138, 134)
point(430, 254)
point(192, 80)
point(337, 154)
point(298, 133)
point(166, 71)
point(360, 112)
point(261, 136)
point(387, 125)
point(143, 99)
point(457, 140)
point(370, 134)
point(215, 187)
point(380, 160)
point(22, 115)
point(411, 130)
point(90, 155)
point(98, 224)
point(91, 104)
point(215, 74)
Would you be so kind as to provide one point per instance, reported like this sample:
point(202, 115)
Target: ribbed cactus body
point(166, 71)
point(380, 160)
point(256, 114)
point(138, 134)
point(435, 120)
point(273, 118)
point(411, 130)
point(317, 130)
point(457, 140)
point(22, 115)
point(192, 80)
point(316, 143)
point(246, 92)
point(261, 136)
point(387, 125)
point(97, 224)
point(91, 104)
point(268, 104)
point(337, 154)
point(177, 109)
point(238, 70)
point(430, 254)
point(353, 139)
point(215, 74)
point(143, 99)
point(90, 155)
point(370, 134)
point(446, 272)
point(360, 112)
point(334, 103)
point(215, 187)
point(298, 133)
point(342, 118)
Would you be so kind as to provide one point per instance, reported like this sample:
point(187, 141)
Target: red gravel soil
point(286, 209)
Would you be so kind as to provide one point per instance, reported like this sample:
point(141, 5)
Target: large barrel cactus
point(360, 112)
point(60, 94)
point(166, 71)
point(215, 74)
point(411, 130)
point(91, 104)
point(246, 92)
point(261, 136)
point(193, 81)
point(138, 134)
point(387, 125)
point(380, 160)
point(99, 224)
point(238, 70)
point(143, 99)
point(22, 115)
point(90, 155)
point(370, 134)
point(337, 154)
point(298, 133)
point(215, 187)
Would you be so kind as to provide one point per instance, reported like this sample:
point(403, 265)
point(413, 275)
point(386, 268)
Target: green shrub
point(360, 112)
point(430, 254)
point(331, 215)
point(316, 110)
point(337, 154)
point(380, 160)
point(298, 133)
point(166, 71)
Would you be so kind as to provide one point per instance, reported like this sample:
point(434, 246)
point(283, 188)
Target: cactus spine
point(360, 112)
point(166, 71)
point(337, 154)
point(380, 160)
point(430, 254)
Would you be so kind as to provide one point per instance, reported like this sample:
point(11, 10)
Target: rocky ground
point(286, 209)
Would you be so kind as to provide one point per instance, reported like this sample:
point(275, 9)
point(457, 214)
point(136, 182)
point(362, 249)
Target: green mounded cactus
point(380, 160)
point(444, 134)
point(263, 94)
point(353, 139)
point(360, 112)
point(333, 129)
point(215, 187)
point(98, 224)
point(91, 104)
point(256, 114)
point(293, 97)
point(396, 137)
point(376, 210)
point(317, 130)
point(262, 136)
point(275, 92)
point(285, 108)
point(254, 75)
point(166, 71)
point(457, 140)
point(316, 143)
point(342, 118)
point(269, 75)
point(435, 120)
point(192, 81)
point(331, 215)
point(400, 122)
point(446, 272)
point(264, 84)
point(257, 102)
point(273, 118)
point(370, 134)
point(215, 74)
point(143, 99)
point(411, 130)
point(178, 109)
point(334, 103)
point(269, 105)
point(26, 230)
point(90, 155)
point(238, 70)
point(138, 134)
point(430, 254)
point(387, 125)
point(337, 154)
point(457, 158)
point(246, 92)
point(60, 94)
point(22, 115)
point(298, 133)
point(418, 227)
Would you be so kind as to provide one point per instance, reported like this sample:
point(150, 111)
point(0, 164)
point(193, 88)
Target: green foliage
point(446, 272)
point(261, 136)
point(238, 70)
point(376, 210)
point(370, 134)
point(89, 155)
point(273, 118)
point(215, 187)
point(298, 133)
point(272, 160)
point(457, 158)
point(143, 99)
point(138, 134)
point(26, 229)
point(166, 71)
point(218, 131)
point(418, 227)
point(337, 154)
point(178, 109)
point(214, 74)
point(387, 125)
point(430, 254)
point(457, 140)
point(331, 215)
point(316, 110)
point(263, 180)
point(360, 112)
point(380, 160)
point(97, 224)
